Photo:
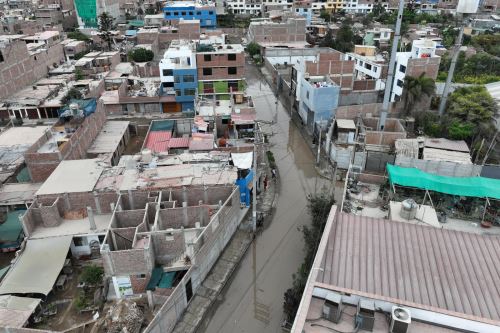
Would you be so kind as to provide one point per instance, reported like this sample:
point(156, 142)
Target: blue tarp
point(87, 105)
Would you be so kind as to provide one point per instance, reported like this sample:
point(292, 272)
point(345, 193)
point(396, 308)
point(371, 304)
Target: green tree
point(488, 43)
point(79, 74)
point(72, 93)
point(253, 49)
point(141, 55)
point(92, 275)
point(319, 206)
point(325, 15)
point(415, 88)
point(105, 27)
point(344, 42)
point(78, 36)
point(378, 10)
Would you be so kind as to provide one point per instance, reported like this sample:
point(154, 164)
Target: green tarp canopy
point(155, 278)
point(167, 280)
point(160, 279)
point(479, 187)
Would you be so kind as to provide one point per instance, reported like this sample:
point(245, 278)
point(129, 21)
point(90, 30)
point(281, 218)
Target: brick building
point(265, 31)
point(22, 64)
point(221, 69)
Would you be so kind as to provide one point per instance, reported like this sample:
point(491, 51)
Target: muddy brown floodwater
point(252, 301)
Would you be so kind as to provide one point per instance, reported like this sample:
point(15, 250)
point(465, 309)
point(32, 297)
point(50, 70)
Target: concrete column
point(158, 216)
point(97, 203)
point(90, 214)
point(185, 213)
point(184, 195)
point(150, 299)
point(205, 194)
point(131, 199)
point(66, 201)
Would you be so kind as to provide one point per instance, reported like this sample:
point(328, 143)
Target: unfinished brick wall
point(210, 195)
point(122, 238)
point(364, 85)
point(166, 249)
point(429, 66)
point(183, 217)
point(221, 73)
point(16, 71)
point(41, 165)
point(129, 218)
point(127, 262)
point(43, 60)
point(139, 284)
point(353, 111)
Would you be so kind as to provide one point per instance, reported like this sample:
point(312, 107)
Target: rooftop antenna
point(464, 7)
point(390, 73)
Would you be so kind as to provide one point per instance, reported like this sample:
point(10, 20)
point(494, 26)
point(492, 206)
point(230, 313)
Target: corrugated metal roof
point(444, 269)
point(442, 143)
point(157, 141)
point(178, 143)
point(433, 154)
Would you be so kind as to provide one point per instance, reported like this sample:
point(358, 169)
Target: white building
point(421, 48)
point(249, 7)
point(369, 65)
point(180, 55)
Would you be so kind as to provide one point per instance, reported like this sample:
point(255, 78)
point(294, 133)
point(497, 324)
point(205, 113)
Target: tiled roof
point(157, 141)
point(178, 143)
point(443, 269)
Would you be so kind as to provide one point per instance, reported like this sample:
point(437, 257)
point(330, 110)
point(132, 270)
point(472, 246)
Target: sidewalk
point(221, 272)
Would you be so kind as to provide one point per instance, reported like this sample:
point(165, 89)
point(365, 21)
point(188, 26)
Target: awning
point(242, 160)
point(38, 267)
point(15, 311)
point(465, 186)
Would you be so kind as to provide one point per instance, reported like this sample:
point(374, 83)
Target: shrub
point(92, 275)
point(141, 55)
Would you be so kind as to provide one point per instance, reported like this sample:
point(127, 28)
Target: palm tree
point(414, 88)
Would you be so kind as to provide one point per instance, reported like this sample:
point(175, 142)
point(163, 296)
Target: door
point(171, 107)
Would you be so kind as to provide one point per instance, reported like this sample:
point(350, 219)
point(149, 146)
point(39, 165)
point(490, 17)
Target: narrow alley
point(253, 298)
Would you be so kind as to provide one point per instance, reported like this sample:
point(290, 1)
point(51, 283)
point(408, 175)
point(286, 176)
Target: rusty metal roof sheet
point(442, 143)
point(443, 269)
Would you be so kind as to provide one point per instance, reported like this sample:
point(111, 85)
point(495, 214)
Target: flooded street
point(253, 299)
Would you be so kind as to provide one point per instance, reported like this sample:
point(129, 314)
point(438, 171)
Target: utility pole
point(449, 78)
point(214, 107)
point(254, 180)
point(392, 64)
point(319, 143)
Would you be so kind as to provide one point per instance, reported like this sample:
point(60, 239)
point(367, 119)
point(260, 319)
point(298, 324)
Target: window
point(79, 241)
point(167, 84)
point(232, 85)
point(210, 13)
point(191, 13)
point(399, 83)
point(207, 71)
point(198, 13)
point(402, 68)
point(368, 66)
point(101, 238)
point(140, 276)
point(207, 57)
point(307, 95)
point(189, 92)
point(231, 57)
point(1, 57)
point(177, 79)
point(188, 78)
point(178, 92)
point(168, 72)
point(232, 70)
point(183, 13)
point(375, 69)
point(175, 13)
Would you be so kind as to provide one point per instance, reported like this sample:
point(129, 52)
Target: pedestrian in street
point(273, 174)
point(265, 183)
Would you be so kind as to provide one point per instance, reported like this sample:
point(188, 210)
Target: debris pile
point(124, 316)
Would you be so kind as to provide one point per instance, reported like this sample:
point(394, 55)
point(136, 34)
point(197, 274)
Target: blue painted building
point(185, 84)
point(179, 76)
point(319, 98)
point(186, 10)
point(244, 184)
